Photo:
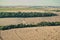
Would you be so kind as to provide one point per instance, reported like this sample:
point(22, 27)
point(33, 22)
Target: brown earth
point(35, 33)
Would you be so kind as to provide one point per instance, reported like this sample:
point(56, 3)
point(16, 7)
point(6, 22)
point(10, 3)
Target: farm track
point(35, 33)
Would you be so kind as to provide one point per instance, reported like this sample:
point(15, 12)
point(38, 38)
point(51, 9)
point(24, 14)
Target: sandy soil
point(35, 33)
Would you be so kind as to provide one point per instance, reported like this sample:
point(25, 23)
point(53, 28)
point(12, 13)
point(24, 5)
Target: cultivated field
point(25, 9)
point(36, 33)
point(34, 20)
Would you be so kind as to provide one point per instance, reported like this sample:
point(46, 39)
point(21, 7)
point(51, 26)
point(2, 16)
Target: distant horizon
point(22, 5)
point(27, 5)
point(30, 2)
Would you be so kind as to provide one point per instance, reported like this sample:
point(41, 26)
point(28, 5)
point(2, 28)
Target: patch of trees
point(25, 14)
point(30, 25)
point(57, 10)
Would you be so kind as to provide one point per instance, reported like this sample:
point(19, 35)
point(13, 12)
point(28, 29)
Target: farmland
point(34, 20)
point(37, 24)
point(28, 9)
point(36, 33)
point(30, 25)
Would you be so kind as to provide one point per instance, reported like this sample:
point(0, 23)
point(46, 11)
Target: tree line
point(25, 14)
point(30, 25)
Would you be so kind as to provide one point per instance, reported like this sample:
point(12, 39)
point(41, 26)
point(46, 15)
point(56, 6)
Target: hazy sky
point(30, 2)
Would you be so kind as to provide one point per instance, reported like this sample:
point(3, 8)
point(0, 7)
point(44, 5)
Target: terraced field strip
point(9, 21)
point(35, 33)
